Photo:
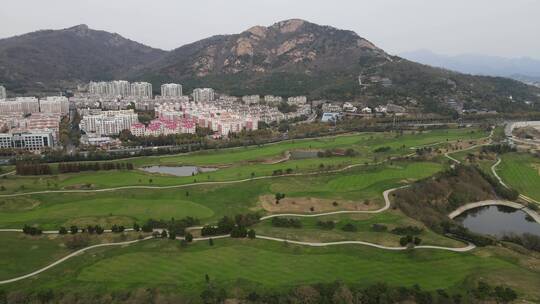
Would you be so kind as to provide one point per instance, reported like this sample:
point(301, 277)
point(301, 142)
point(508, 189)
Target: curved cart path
point(386, 194)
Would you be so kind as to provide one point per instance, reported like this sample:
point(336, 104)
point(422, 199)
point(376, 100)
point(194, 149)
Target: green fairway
point(311, 232)
point(204, 202)
point(243, 163)
point(21, 254)
point(522, 172)
point(266, 265)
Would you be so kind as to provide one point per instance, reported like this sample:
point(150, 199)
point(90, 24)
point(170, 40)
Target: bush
point(327, 225)
point(286, 222)
point(31, 230)
point(379, 227)
point(349, 227)
point(408, 230)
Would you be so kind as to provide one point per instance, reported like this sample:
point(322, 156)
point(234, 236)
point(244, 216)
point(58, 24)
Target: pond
point(178, 171)
point(498, 221)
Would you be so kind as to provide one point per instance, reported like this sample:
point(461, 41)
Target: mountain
point(54, 59)
point(479, 64)
point(296, 57)
point(291, 57)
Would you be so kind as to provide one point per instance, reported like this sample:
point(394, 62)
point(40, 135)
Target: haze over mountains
point(291, 57)
point(524, 68)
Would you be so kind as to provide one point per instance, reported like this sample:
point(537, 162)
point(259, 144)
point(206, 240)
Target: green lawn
point(207, 203)
point(311, 232)
point(241, 163)
point(21, 254)
point(522, 172)
point(257, 264)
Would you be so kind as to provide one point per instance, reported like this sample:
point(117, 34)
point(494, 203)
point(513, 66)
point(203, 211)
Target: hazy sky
point(508, 28)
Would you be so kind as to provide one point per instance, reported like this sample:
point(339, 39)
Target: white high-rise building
point(171, 90)
point(108, 122)
point(54, 104)
point(24, 105)
point(141, 89)
point(3, 94)
point(203, 94)
point(112, 88)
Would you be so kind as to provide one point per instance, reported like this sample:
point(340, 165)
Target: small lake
point(303, 154)
point(178, 171)
point(498, 220)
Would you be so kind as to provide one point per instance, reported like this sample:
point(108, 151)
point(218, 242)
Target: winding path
point(522, 196)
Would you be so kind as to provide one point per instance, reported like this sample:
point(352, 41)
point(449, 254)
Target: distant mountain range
point(291, 57)
point(50, 60)
point(523, 69)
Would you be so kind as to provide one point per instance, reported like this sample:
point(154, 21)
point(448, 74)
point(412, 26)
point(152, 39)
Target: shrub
point(349, 227)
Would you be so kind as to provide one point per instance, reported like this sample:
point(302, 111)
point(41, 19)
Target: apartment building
point(108, 122)
point(20, 105)
point(31, 140)
point(203, 94)
point(251, 99)
point(171, 90)
point(54, 105)
point(110, 88)
point(141, 89)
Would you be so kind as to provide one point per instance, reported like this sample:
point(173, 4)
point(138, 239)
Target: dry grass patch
point(311, 204)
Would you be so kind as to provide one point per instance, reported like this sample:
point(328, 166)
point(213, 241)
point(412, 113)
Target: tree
point(62, 230)
point(74, 229)
point(251, 233)
point(164, 233)
point(189, 237)
point(172, 235)
point(210, 242)
point(136, 227)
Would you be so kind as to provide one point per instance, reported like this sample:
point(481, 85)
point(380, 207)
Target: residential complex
point(107, 122)
point(171, 90)
point(204, 94)
point(120, 88)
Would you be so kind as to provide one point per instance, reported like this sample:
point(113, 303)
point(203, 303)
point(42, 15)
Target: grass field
point(22, 254)
point(267, 265)
point(522, 172)
point(242, 163)
point(204, 202)
point(310, 232)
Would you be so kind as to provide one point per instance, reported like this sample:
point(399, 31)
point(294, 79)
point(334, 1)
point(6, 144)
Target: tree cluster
point(32, 169)
point(407, 230)
point(106, 166)
point(31, 230)
point(236, 227)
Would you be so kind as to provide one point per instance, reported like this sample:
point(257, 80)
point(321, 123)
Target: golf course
point(305, 207)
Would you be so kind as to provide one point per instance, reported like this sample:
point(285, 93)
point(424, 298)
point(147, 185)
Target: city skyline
point(460, 27)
